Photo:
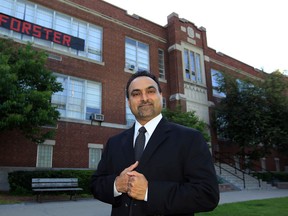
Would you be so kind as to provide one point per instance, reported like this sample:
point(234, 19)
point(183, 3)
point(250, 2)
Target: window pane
point(44, 17)
point(30, 13)
point(63, 23)
point(136, 55)
point(192, 65)
point(93, 99)
point(94, 157)
point(6, 7)
point(161, 63)
point(44, 157)
point(19, 10)
point(215, 76)
point(79, 99)
point(186, 64)
point(130, 118)
point(198, 68)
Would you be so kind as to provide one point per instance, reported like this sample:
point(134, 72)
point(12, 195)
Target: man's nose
point(144, 96)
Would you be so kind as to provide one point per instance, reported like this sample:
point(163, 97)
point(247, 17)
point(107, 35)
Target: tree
point(254, 115)
point(26, 87)
point(188, 119)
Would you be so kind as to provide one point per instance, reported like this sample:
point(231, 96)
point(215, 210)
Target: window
point(215, 76)
point(164, 105)
point(161, 64)
point(130, 118)
point(222, 126)
point(79, 98)
point(45, 153)
point(244, 85)
point(192, 66)
point(95, 152)
point(136, 55)
point(30, 12)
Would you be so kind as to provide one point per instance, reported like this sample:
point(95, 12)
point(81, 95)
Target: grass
point(266, 207)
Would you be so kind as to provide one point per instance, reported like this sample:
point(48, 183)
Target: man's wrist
point(116, 192)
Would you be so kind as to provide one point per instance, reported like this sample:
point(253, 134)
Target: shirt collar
point(150, 126)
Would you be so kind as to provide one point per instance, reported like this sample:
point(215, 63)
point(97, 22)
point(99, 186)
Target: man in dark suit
point(175, 174)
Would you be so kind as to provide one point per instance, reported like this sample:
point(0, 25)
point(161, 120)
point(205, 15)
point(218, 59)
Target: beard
point(146, 110)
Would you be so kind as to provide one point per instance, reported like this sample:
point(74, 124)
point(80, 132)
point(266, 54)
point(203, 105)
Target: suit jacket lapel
point(159, 135)
point(127, 146)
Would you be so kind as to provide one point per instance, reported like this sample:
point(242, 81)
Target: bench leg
point(73, 195)
point(38, 197)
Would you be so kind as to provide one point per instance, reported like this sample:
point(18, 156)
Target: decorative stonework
point(183, 29)
point(191, 41)
point(190, 32)
point(196, 100)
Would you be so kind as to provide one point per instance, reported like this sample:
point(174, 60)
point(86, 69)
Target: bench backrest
point(54, 182)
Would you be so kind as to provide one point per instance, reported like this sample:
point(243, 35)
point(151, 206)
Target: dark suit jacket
point(177, 164)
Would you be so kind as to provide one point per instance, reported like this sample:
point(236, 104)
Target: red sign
point(27, 28)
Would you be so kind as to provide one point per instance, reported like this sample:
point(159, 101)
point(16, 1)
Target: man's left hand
point(137, 185)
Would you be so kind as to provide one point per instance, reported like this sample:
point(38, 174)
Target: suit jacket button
point(126, 205)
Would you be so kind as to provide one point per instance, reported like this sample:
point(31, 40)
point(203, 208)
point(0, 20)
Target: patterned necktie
point(139, 143)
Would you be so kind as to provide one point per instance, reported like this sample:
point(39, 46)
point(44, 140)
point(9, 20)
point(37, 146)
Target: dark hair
point(139, 74)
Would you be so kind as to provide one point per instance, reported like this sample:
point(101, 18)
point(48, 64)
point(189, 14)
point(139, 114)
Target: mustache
point(146, 103)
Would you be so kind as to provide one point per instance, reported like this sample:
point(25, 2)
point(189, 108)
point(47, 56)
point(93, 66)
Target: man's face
point(145, 100)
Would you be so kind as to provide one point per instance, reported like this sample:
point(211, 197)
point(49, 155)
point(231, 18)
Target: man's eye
point(134, 94)
point(151, 91)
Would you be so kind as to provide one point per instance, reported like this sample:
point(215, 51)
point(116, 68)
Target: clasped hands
point(132, 182)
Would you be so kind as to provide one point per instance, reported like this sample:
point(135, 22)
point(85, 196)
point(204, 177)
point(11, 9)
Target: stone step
point(236, 179)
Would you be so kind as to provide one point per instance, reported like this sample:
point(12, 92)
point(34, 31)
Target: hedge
point(273, 177)
point(20, 181)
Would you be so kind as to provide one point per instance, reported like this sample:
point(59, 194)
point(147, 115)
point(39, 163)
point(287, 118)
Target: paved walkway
point(97, 208)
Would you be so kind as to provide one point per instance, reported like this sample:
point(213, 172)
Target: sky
point(252, 31)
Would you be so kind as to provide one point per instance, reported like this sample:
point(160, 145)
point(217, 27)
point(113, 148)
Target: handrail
point(221, 160)
point(243, 166)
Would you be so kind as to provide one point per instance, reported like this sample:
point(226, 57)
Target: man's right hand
point(121, 181)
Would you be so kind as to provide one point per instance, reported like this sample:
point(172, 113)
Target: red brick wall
point(15, 150)
point(71, 148)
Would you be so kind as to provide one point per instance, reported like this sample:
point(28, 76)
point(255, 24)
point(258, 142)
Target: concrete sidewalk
point(97, 208)
point(246, 195)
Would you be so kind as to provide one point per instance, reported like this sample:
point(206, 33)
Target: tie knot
point(142, 129)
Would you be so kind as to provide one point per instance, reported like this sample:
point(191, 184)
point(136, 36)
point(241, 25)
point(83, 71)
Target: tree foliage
point(254, 115)
point(188, 119)
point(26, 87)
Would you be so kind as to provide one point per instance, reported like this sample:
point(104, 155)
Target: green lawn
point(266, 207)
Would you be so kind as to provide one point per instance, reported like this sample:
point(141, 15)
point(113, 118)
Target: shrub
point(273, 177)
point(20, 181)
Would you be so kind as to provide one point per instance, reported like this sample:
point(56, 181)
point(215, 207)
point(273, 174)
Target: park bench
point(70, 185)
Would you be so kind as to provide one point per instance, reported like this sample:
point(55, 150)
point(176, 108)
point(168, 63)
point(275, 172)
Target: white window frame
point(78, 104)
point(136, 55)
point(164, 103)
point(95, 153)
point(197, 61)
point(161, 64)
point(130, 118)
point(44, 160)
point(215, 74)
point(34, 13)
